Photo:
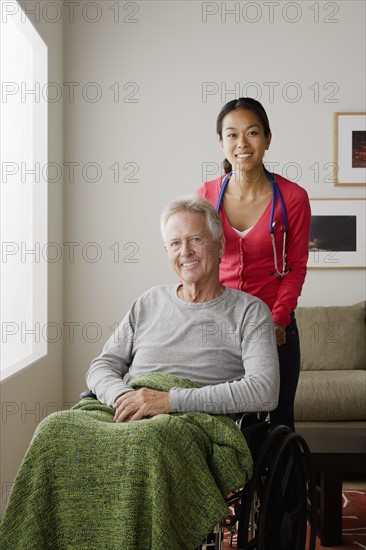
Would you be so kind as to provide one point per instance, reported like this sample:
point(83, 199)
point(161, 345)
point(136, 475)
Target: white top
point(242, 233)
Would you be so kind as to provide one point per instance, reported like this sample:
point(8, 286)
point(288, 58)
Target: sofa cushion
point(331, 396)
point(333, 337)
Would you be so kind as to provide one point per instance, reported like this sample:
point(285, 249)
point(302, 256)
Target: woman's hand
point(143, 403)
point(280, 334)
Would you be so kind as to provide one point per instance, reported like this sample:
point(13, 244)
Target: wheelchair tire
point(280, 498)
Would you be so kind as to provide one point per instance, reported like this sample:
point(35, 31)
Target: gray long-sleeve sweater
point(226, 345)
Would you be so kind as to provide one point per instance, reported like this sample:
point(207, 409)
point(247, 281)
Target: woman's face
point(243, 140)
point(193, 253)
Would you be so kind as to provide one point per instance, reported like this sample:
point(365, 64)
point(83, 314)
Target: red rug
point(353, 523)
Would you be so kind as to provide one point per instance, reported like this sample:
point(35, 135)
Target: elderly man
point(144, 466)
point(215, 336)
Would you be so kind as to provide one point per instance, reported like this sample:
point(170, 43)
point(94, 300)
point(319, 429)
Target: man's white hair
point(196, 205)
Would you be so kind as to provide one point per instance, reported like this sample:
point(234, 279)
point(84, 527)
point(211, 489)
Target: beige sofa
point(332, 384)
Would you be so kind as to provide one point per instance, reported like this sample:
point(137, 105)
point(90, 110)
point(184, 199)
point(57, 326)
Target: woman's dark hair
point(242, 103)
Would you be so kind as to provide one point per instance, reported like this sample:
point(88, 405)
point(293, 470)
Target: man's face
point(193, 253)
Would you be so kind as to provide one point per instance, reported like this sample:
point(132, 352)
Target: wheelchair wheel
point(214, 541)
point(276, 502)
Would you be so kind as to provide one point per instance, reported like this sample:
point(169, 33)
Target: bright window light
point(23, 207)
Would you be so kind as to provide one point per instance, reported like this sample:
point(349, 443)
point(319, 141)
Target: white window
point(23, 207)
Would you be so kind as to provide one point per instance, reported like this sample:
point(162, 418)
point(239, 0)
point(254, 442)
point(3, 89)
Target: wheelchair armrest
point(254, 427)
point(87, 393)
point(244, 420)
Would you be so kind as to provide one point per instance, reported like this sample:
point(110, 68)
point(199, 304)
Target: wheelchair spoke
point(276, 503)
point(284, 506)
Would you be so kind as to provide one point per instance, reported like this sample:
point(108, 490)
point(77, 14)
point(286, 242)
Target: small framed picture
point(350, 148)
point(337, 235)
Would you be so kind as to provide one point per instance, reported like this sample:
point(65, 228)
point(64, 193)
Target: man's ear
point(269, 141)
point(222, 246)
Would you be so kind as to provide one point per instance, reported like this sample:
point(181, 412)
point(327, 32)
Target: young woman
point(266, 221)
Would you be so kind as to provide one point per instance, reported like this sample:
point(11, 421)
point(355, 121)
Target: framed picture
point(337, 235)
point(350, 148)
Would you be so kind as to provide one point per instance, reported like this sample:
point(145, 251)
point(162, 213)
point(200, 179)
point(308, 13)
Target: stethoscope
point(275, 194)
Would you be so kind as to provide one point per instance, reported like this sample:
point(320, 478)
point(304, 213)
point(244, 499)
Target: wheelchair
point(273, 510)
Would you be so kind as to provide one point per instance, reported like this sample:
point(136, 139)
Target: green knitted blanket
point(88, 483)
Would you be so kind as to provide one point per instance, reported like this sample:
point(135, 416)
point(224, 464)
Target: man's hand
point(280, 334)
point(143, 403)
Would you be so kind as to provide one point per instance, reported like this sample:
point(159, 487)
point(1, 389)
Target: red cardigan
point(248, 260)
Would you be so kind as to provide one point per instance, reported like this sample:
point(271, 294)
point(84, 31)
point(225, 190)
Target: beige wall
point(169, 53)
point(38, 390)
